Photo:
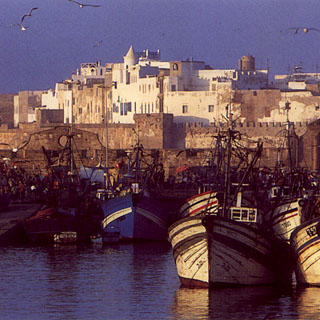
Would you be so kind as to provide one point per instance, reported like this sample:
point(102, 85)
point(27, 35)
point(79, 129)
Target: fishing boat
point(190, 251)
point(240, 250)
point(136, 216)
point(239, 253)
point(288, 206)
point(194, 245)
point(134, 211)
point(286, 217)
point(49, 226)
point(305, 243)
point(69, 213)
point(199, 203)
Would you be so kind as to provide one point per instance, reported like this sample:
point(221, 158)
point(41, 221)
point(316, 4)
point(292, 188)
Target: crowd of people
point(22, 186)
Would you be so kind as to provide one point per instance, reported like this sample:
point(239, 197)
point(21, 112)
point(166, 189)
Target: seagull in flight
point(28, 14)
point(303, 29)
point(97, 44)
point(82, 5)
point(22, 27)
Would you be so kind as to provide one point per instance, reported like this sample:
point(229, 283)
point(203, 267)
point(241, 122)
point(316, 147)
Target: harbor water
point(129, 281)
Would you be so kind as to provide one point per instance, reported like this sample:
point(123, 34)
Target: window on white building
point(173, 87)
point(210, 108)
point(184, 109)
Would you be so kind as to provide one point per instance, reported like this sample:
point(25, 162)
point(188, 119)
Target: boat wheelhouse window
point(235, 214)
point(244, 214)
point(252, 215)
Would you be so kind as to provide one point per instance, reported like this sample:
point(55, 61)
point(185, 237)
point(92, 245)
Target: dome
point(130, 58)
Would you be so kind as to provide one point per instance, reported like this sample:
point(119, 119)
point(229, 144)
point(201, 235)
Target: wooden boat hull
point(189, 242)
point(136, 217)
point(200, 203)
point(285, 218)
point(49, 226)
point(305, 242)
point(238, 253)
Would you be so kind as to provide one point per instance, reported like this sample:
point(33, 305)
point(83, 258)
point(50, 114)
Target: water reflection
point(308, 305)
point(130, 281)
point(239, 303)
point(191, 304)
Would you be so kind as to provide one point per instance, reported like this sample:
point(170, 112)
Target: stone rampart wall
point(178, 144)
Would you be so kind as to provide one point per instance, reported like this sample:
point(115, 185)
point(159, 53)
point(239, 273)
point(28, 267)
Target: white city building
point(190, 90)
point(60, 98)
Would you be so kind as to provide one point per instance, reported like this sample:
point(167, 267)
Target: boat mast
point(290, 160)
point(107, 154)
point(227, 184)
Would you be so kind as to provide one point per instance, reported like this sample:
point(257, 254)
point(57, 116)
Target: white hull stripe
point(151, 217)
point(107, 220)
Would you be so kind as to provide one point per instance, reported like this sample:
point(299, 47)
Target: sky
point(61, 35)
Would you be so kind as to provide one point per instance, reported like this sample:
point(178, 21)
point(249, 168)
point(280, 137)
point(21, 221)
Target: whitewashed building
point(59, 98)
point(190, 90)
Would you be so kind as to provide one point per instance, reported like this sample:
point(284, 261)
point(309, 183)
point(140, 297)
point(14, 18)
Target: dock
point(11, 230)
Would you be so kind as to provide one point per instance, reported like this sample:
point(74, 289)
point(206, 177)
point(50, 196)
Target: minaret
point(130, 58)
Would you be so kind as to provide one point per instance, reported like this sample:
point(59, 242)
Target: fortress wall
point(178, 144)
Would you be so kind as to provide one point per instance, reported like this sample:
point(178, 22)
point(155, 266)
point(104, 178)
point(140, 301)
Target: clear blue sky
point(61, 35)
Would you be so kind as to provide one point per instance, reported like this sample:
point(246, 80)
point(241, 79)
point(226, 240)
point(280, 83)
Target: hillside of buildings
point(173, 105)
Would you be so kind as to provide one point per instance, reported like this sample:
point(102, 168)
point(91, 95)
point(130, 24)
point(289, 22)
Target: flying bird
point(22, 27)
point(97, 44)
point(13, 148)
point(28, 14)
point(82, 5)
point(302, 29)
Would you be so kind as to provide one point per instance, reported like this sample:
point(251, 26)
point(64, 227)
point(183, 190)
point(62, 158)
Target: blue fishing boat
point(134, 209)
point(137, 216)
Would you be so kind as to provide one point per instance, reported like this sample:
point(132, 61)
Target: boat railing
point(244, 214)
